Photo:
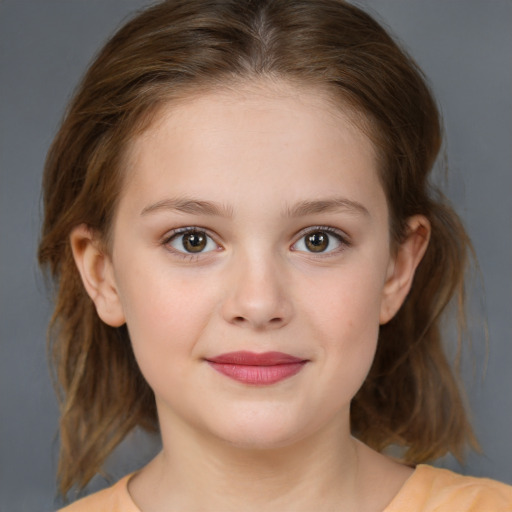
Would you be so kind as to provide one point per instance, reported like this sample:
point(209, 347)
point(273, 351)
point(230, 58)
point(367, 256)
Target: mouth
point(257, 369)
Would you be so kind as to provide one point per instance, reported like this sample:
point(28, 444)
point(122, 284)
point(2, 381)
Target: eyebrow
point(301, 209)
point(325, 206)
point(192, 206)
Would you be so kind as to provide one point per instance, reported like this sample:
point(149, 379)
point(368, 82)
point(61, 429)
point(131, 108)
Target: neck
point(198, 472)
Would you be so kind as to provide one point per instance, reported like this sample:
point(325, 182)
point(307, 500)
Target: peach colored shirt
point(428, 489)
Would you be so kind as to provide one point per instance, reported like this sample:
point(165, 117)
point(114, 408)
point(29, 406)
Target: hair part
point(179, 48)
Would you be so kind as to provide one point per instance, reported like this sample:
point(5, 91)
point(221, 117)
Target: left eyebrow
point(189, 205)
point(326, 206)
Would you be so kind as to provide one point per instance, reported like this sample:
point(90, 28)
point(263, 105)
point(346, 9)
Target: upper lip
point(254, 359)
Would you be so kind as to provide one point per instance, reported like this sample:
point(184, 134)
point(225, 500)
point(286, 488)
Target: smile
point(257, 369)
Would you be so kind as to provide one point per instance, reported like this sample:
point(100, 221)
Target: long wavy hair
point(179, 47)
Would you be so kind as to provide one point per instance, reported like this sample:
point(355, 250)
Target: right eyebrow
point(189, 205)
point(326, 205)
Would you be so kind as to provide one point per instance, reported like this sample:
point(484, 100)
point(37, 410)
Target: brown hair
point(410, 397)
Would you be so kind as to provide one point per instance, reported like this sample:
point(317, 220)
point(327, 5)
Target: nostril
point(243, 320)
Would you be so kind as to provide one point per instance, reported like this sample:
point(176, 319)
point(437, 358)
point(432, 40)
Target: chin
point(261, 430)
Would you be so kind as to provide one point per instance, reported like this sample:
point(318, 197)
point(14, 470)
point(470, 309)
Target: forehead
point(261, 94)
point(270, 131)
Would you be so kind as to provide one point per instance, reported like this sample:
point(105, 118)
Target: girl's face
point(251, 262)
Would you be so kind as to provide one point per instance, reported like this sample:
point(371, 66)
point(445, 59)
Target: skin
point(262, 155)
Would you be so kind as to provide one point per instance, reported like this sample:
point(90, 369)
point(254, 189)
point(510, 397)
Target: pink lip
point(257, 369)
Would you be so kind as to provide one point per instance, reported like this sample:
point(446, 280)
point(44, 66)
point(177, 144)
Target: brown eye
point(321, 240)
point(192, 242)
point(317, 241)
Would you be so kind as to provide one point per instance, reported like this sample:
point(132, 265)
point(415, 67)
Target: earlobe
point(403, 266)
point(96, 271)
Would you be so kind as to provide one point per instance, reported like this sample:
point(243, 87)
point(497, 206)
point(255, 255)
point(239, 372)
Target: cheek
point(343, 312)
point(165, 315)
point(349, 350)
point(345, 300)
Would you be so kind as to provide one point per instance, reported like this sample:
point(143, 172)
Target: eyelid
point(174, 233)
point(342, 237)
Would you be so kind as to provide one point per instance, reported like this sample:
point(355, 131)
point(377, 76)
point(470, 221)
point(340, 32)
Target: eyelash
point(340, 236)
point(175, 234)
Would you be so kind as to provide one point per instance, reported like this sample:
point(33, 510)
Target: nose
point(257, 295)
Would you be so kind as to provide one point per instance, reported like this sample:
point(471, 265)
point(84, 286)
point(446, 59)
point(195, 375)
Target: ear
point(97, 272)
point(403, 266)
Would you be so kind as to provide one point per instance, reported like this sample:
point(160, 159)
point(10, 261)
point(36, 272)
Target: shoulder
point(113, 499)
point(432, 489)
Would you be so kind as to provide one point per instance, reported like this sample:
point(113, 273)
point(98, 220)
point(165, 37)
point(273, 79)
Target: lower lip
point(258, 375)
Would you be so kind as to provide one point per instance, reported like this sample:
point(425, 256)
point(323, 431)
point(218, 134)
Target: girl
point(251, 261)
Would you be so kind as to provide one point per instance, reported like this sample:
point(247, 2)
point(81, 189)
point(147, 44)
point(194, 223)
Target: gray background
point(464, 46)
